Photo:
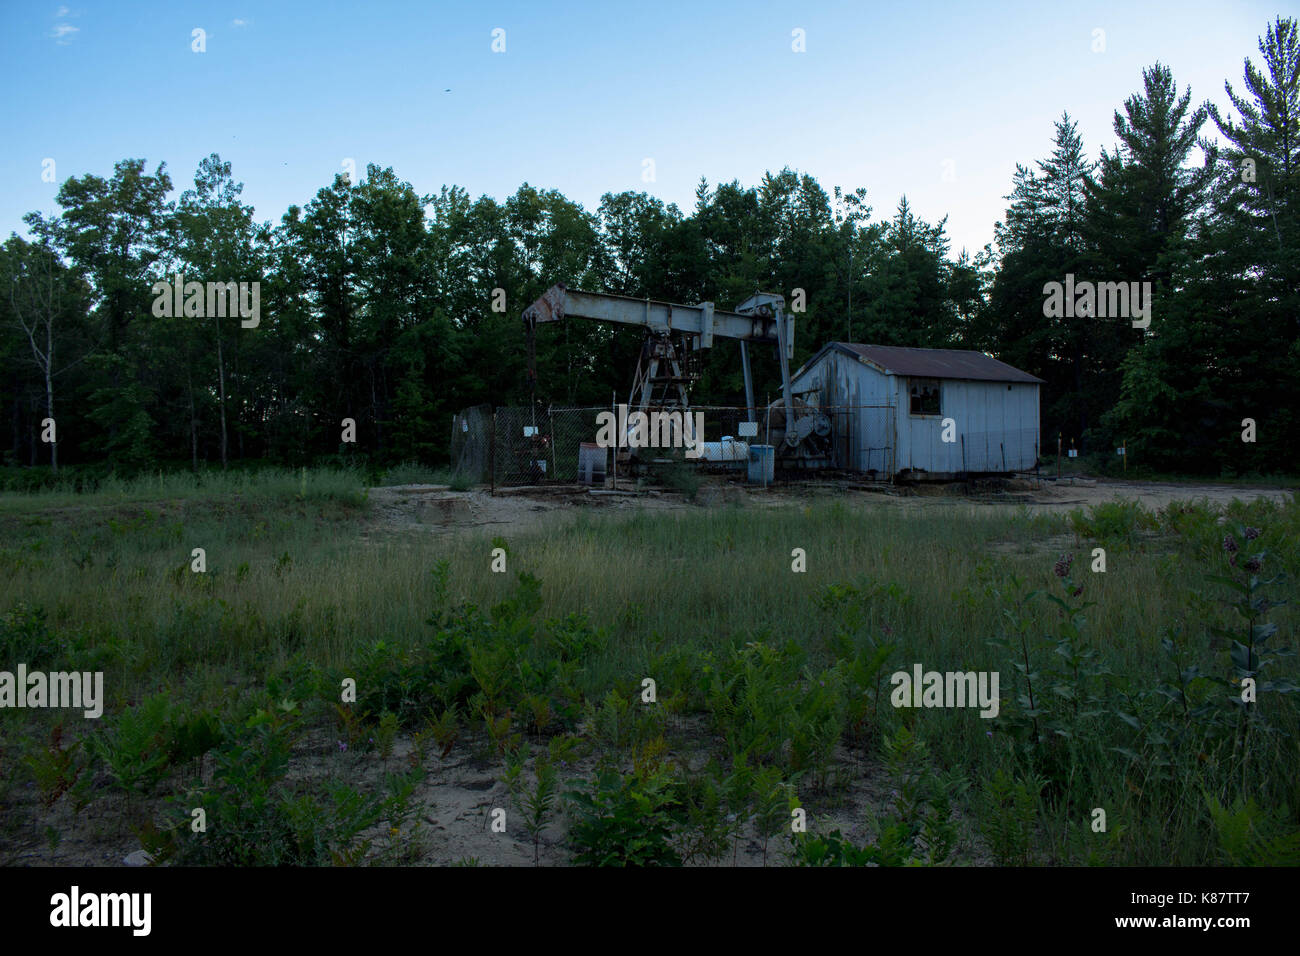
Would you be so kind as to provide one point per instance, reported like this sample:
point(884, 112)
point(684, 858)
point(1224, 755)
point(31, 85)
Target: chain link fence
point(517, 446)
point(533, 447)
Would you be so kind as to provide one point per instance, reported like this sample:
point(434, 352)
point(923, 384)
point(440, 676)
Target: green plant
point(191, 737)
point(25, 636)
point(679, 477)
point(626, 819)
point(1112, 522)
point(707, 829)
point(539, 800)
point(134, 745)
point(1009, 816)
point(832, 849)
point(1251, 836)
point(773, 801)
point(771, 710)
point(386, 734)
point(56, 767)
point(1251, 659)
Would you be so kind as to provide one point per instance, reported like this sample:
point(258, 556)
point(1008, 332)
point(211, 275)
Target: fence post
point(492, 452)
point(550, 417)
point(767, 439)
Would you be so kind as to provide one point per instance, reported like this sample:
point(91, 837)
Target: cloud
point(63, 12)
point(62, 31)
point(238, 23)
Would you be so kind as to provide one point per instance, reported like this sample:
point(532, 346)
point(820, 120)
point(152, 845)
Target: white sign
point(749, 429)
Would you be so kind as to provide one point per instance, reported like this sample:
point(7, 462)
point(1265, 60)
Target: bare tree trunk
point(194, 430)
point(49, 394)
point(221, 373)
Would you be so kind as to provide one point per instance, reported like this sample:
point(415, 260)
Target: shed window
point(924, 396)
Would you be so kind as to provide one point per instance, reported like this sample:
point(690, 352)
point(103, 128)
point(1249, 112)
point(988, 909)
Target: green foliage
point(255, 818)
point(627, 819)
point(770, 709)
point(1252, 836)
point(833, 849)
point(538, 801)
point(679, 476)
point(386, 734)
point(25, 636)
point(134, 745)
point(191, 735)
point(918, 828)
point(57, 768)
point(921, 819)
point(1112, 522)
point(1009, 816)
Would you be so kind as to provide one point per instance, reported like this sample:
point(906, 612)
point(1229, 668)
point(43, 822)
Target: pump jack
point(666, 370)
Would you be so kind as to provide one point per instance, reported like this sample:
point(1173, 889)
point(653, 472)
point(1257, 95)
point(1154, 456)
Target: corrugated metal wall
point(996, 422)
point(996, 429)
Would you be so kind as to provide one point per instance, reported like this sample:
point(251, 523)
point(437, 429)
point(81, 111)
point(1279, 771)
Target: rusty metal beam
point(703, 320)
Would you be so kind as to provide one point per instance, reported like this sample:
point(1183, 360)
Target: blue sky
point(883, 96)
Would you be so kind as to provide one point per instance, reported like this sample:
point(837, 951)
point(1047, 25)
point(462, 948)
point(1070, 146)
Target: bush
point(627, 820)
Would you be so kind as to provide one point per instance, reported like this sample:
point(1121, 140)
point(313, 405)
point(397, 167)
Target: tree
point(217, 241)
point(118, 234)
point(43, 295)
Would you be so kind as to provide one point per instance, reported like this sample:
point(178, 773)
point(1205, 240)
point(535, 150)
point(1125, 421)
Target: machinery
point(667, 367)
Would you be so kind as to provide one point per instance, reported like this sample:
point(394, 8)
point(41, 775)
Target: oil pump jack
point(667, 368)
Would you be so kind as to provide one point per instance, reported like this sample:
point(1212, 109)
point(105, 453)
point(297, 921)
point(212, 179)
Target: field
point(662, 677)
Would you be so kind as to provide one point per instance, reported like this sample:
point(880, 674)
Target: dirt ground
point(453, 812)
point(435, 509)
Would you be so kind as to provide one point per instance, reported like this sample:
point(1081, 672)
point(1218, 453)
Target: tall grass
point(296, 574)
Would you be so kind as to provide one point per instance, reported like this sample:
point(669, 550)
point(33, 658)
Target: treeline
point(376, 302)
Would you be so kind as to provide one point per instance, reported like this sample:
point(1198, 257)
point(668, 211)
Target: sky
point(935, 101)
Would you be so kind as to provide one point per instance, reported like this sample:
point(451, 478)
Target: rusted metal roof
point(932, 363)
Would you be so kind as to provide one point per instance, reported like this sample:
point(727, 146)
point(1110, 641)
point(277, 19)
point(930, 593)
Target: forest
point(377, 303)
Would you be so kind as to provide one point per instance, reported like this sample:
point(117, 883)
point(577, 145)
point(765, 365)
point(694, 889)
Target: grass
point(413, 473)
point(294, 596)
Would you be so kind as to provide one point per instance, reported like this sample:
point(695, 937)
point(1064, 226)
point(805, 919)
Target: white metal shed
point(892, 409)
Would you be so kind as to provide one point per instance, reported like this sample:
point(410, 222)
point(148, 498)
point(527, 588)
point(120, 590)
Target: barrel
point(762, 463)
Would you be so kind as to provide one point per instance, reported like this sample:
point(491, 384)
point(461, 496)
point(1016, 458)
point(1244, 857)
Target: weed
point(627, 819)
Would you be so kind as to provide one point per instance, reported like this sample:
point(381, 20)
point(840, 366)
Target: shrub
point(627, 819)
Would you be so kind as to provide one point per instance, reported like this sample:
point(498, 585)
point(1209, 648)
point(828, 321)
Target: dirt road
point(438, 510)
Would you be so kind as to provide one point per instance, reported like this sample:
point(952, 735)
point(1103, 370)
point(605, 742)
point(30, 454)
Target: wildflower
point(1229, 544)
point(1076, 592)
point(343, 748)
point(1252, 533)
point(1252, 565)
point(1062, 567)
